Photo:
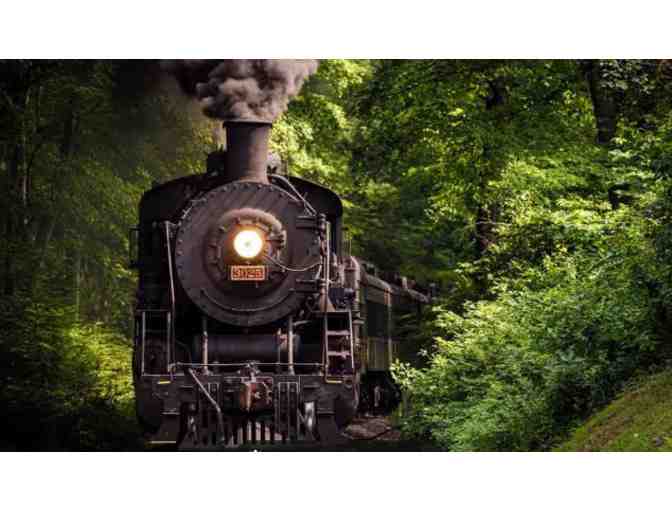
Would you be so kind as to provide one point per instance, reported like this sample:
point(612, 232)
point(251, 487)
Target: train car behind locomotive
point(252, 324)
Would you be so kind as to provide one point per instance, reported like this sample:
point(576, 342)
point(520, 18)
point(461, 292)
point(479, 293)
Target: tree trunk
point(14, 216)
point(604, 103)
point(486, 214)
point(48, 223)
point(77, 267)
point(17, 191)
point(8, 266)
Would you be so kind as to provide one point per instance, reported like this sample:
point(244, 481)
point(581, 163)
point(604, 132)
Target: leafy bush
point(63, 386)
point(576, 311)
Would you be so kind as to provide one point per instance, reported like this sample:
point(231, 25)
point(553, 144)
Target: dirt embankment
point(640, 420)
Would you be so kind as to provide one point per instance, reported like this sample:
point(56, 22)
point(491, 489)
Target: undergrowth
point(64, 386)
point(579, 304)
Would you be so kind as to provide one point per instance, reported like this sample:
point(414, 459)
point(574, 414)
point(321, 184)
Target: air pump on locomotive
point(253, 324)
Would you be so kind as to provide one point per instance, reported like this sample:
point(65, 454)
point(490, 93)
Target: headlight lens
point(248, 243)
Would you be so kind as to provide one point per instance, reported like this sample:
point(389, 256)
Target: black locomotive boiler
point(253, 326)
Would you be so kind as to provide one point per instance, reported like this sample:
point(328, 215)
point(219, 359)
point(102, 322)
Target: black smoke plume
point(242, 89)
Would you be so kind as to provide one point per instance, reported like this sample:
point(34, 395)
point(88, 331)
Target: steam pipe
point(204, 328)
point(290, 345)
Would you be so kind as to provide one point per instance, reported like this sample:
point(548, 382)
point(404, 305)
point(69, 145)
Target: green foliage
point(431, 145)
point(315, 135)
point(81, 141)
point(513, 373)
point(579, 302)
point(63, 386)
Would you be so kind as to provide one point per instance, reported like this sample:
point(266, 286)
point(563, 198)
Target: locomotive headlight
point(248, 243)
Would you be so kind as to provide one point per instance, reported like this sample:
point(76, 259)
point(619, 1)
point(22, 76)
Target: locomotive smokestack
point(247, 150)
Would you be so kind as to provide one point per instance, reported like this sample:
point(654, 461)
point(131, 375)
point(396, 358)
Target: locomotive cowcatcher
point(251, 320)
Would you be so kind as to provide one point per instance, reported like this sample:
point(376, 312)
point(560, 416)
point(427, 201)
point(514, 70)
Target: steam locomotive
point(253, 324)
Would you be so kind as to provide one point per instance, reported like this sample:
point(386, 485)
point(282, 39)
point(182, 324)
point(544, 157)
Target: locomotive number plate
point(248, 273)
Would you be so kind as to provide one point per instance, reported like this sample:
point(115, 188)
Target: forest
point(536, 194)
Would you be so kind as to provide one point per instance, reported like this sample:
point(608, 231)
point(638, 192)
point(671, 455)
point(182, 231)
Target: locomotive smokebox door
point(241, 257)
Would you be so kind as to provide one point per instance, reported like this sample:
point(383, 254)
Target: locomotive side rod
point(218, 410)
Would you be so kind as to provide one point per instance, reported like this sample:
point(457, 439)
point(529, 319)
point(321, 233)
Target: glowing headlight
point(248, 243)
